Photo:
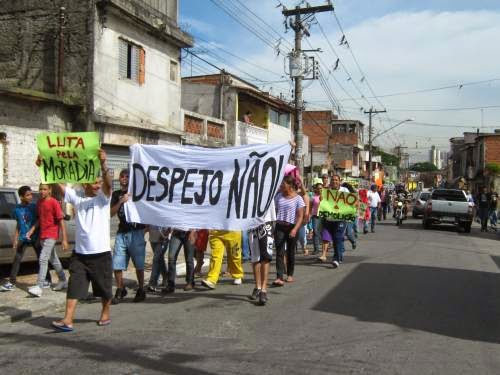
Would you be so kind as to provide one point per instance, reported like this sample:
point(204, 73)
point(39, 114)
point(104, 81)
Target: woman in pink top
point(289, 215)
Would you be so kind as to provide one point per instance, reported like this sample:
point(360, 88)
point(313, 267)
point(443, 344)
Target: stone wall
point(29, 46)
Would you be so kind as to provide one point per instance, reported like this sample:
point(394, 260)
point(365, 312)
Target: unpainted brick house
point(111, 66)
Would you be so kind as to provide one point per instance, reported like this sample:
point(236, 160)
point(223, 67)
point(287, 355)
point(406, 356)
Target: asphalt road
point(407, 301)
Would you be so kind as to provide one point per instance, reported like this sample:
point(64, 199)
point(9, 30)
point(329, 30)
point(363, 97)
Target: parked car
point(448, 206)
point(8, 200)
point(419, 203)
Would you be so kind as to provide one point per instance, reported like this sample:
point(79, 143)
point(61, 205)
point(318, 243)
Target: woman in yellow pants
point(220, 240)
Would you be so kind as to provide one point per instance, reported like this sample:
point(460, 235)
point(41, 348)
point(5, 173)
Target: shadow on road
point(451, 302)
point(172, 363)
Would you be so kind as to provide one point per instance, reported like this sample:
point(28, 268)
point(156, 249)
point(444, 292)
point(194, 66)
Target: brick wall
point(345, 138)
point(193, 125)
point(215, 130)
point(492, 149)
point(22, 121)
point(29, 46)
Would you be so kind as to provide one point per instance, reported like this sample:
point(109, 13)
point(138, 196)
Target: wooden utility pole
point(370, 113)
point(298, 75)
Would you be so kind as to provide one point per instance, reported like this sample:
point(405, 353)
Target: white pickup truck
point(448, 206)
point(8, 200)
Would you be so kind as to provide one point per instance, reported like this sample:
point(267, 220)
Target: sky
point(395, 47)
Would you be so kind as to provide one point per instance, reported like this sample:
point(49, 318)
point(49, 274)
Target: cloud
point(197, 26)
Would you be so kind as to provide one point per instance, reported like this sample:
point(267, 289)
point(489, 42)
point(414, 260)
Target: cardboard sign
point(69, 157)
point(338, 205)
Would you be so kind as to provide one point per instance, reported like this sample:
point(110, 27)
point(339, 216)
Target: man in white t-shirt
point(91, 261)
point(374, 202)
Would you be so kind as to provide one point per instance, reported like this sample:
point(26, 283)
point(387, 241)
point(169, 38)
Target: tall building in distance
point(435, 157)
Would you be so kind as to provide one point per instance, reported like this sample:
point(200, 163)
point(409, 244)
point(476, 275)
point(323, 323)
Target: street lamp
point(371, 143)
point(392, 127)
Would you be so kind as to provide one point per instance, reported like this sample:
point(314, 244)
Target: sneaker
point(262, 298)
point(335, 264)
point(119, 295)
point(60, 286)
point(237, 281)
point(255, 294)
point(46, 285)
point(140, 295)
point(153, 289)
point(188, 287)
point(35, 291)
point(7, 287)
point(354, 246)
point(208, 284)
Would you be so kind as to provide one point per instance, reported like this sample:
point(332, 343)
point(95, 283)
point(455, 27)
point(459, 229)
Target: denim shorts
point(129, 245)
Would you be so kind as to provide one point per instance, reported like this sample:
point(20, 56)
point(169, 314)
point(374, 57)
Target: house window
point(278, 118)
point(132, 62)
point(174, 69)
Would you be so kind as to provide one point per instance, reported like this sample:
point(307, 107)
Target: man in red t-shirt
point(50, 219)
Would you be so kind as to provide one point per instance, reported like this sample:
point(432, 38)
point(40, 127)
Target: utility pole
point(298, 75)
point(370, 113)
point(60, 60)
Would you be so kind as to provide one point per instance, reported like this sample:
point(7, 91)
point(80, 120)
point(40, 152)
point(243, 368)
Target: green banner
point(338, 205)
point(69, 157)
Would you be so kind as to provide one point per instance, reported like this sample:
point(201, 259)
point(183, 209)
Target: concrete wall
point(22, 121)
point(278, 134)
point(158, 100)
point(29, 46)
point(201, 98)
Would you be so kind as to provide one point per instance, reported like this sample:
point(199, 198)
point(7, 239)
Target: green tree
point(388, 159)
point(423, 167)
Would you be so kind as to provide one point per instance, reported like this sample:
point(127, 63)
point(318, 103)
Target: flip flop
point(61, 326)
point(278, 283)
point(105, 322)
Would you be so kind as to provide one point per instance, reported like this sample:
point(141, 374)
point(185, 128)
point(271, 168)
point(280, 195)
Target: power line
point(239, 57)
point(455, 86)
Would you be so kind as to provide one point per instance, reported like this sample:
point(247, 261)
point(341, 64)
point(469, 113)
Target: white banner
point(187, 187)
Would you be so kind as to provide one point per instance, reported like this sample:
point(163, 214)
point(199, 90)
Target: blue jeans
point(301, 237)
point(493, 217)
point(159, 266)
point(316, 225)
point(245, 248)
point(351, 228)
point(337, 230)
point(373, 217)
point(180, 238)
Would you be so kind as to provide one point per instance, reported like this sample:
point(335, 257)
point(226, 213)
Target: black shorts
point(261, 243)
point(94, 268)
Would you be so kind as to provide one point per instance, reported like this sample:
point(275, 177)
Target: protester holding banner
point(129, 243)
point(289, 216)
point(91, 260)
point(230, 241)
point(159, 240)
point(181, 239)
point(333, 231)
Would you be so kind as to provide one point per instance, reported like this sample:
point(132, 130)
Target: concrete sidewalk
point(19, 305)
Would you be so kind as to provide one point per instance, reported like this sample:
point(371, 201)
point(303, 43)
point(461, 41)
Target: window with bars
point(132, 60)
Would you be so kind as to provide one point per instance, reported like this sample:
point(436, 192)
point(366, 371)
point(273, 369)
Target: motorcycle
point(399, 213)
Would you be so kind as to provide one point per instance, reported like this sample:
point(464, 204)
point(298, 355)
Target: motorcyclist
point(401, 195)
